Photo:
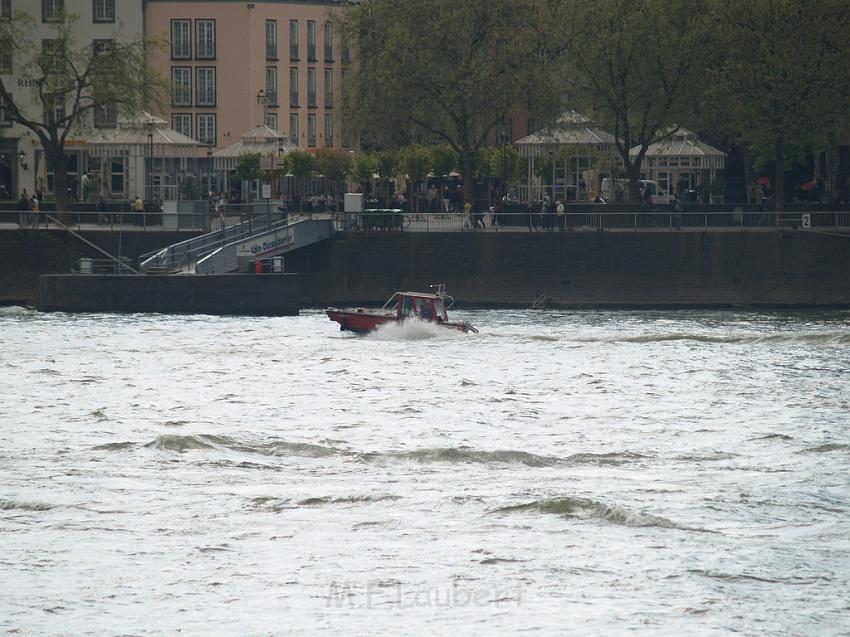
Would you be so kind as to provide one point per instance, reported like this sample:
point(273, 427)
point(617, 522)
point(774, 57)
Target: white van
point(617, 190)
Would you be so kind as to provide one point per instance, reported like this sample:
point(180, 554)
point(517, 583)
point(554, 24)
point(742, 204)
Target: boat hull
point(363, 322)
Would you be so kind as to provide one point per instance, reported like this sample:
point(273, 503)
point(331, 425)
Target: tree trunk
point(779, 191)
point(468, 161)
point(60, 183)
point(633, 173)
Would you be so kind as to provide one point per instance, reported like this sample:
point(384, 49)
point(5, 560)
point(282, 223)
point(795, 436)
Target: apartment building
point(235, 65)
point(22, 162)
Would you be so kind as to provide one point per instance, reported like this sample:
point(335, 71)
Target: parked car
point(617, 190)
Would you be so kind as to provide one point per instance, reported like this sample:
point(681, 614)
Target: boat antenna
point(440, 290)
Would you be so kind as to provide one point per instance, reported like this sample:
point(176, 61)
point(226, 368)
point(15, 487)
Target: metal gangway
point(233, 248)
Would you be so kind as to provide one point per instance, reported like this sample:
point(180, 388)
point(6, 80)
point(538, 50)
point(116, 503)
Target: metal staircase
point(231, 249)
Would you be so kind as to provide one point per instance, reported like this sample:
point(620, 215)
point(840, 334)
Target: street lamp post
point(552, 161)
point(150, 166)
point(261, 99)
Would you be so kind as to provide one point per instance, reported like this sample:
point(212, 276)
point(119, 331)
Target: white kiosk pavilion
point(682, 162)
point(578, 155)
point(142, 156)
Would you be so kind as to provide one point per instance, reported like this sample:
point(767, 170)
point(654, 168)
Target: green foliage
point(73, 82)
point(635, 66)
point(505, 163)
point(444, 69)
point(92, 187)
point(363, 167)
point(333, 164)
point(444, 159)
point(779, 75)
point(190, 187)
point(248, 167)
point(387, 163)
point(300, 163)
point(416, 162)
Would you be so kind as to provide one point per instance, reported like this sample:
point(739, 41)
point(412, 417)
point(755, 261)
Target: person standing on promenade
point(24, 209)
point(34, 204)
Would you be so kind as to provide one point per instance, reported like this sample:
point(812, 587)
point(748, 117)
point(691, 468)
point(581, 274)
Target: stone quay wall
point(770, 268)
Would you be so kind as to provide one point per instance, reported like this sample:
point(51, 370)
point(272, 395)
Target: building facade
point(22, 164)
point(235, 65)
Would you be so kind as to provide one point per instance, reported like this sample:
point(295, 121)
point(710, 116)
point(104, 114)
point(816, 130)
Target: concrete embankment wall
point(244, 294)
point(570, 269)
point(582, 269)
point(27, 254)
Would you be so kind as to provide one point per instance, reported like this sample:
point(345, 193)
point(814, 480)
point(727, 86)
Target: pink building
point(235, 65)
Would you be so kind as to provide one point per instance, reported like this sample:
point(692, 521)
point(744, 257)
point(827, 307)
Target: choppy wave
point(774, 437)
point(352, 499)
point(587, 509)
point(9, 505)
point(744, 577)
point(181, 444)
point(830, 446)
point(461, 455)
point(810, 338)
point(412, 331)
point(429, 455)
point(115, 446)
point(16, 310)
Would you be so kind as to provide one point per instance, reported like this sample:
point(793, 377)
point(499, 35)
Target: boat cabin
point(426, 307)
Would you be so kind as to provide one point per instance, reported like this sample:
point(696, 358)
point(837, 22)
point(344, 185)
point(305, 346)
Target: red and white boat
point(401, 306)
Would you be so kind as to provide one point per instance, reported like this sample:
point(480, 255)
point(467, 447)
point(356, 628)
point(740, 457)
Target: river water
point(558, 473)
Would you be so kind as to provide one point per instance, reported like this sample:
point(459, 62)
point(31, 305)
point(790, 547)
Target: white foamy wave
point(16, 310)
point(412, 330)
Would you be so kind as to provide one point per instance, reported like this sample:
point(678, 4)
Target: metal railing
point(250, 219)
point(397, 221)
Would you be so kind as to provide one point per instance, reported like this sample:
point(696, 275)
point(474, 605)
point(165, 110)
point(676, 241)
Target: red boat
point(402, 306)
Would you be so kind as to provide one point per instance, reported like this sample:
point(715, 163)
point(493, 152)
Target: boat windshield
point(391, 304)
point(440, 307)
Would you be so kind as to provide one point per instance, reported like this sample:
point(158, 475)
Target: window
point(52, 10)
point(5, 57)
point(182, 123)
point(100, 50)
point(271, 120)
point(105, 116)
point(205, 39)
point(103, 11)
point(343, 82)
point(181, 39)
point(271, 86)
point(293, 128)
point(505, 133)
point(329, 88)
point(271, 39)
point(311, 130)
point(50, 56)
point(311, 88)
point(116, 176)
point(329, 130)
point(329, 42)
point(205, 85)
point(293, 39)
point(5, 118)
point(293, 86)
point(5, 8)
point(54, 108)
point(345, 49)
point(206, 129)
point(181, 86)
point(311, 41)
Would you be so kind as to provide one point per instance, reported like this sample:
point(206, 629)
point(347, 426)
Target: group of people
point(30, 209)
point(546, 214)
